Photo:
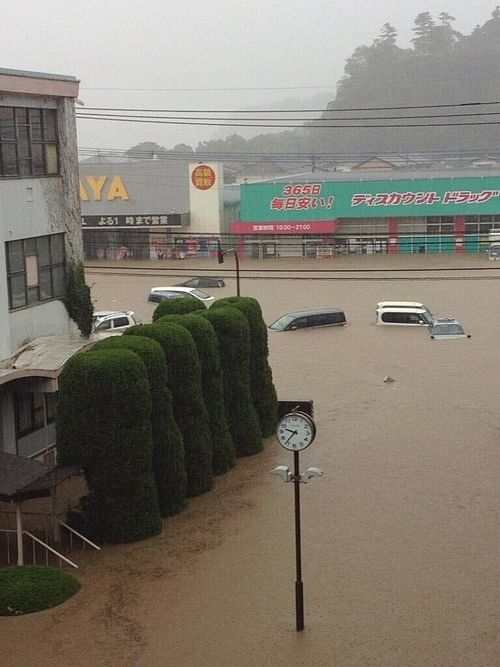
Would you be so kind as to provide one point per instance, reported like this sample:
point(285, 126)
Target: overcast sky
point(201, 54)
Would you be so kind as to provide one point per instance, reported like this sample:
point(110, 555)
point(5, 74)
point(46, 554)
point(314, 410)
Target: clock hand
point(291, 436)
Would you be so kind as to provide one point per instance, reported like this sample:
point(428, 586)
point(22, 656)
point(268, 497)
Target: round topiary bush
point(28, 588)
point(206, 342)
point(177, 307)
point(261, 377)
point(168, 447)
point(233, 334)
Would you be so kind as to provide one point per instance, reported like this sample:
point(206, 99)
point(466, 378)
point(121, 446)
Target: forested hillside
point(443, 67)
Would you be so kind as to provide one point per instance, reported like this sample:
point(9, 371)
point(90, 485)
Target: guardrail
point(85, 540)
point(48, 548)
point(44, 548)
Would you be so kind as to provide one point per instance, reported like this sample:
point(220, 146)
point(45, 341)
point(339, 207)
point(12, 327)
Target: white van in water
point(402, 304)
point(400, 315)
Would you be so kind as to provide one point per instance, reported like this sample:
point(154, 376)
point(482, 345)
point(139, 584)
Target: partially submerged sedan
point(323, 317)
point(446, 328)
point(159, 294)
point(203, 281)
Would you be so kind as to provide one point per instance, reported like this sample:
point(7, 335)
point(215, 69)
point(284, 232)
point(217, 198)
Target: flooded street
point(399, 537)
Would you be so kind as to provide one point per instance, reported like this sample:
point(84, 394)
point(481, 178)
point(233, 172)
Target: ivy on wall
point(77, 298)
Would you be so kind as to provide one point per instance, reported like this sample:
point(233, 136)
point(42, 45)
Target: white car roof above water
point(401, 304)
point(188, 291)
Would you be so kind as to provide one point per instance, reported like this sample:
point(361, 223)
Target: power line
point(349, 109)
point(475, 114)
point(162, 121)
point(300, 156)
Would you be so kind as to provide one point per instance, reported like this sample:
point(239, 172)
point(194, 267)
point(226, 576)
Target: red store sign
point(310, 227)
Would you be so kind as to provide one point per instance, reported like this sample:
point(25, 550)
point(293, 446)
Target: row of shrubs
point(152, 415)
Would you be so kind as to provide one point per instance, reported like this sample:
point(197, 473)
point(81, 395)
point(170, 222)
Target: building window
point(33, 411)
point(28, 142)
point(440, 225)
point(30, 412)
point(35, 270)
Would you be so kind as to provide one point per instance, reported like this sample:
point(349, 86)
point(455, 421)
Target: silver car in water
point(446, 328)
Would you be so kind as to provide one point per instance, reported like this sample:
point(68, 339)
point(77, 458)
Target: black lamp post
point(221, 253)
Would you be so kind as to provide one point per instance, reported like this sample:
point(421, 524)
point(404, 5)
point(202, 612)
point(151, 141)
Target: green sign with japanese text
point(327, 200)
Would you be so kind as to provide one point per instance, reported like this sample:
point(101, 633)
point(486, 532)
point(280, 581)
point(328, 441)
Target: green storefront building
point(369, 215)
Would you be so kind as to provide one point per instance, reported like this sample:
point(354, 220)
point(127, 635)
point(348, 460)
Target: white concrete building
point(39, 234)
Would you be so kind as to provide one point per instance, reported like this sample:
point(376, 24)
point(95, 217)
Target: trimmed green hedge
point(104, 424)
point(182, 306)
point(25, 589)
point(168, 448)
point(206, 342)
point(233, 333)
point(261, 377)
point(184, 380)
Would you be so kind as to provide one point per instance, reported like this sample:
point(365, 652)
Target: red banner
point(309, 227)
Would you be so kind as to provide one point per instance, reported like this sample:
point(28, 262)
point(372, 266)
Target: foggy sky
point(194, 54)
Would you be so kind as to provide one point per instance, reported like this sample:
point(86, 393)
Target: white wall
point(24, 213)
point(206, 206)
point(47, 319)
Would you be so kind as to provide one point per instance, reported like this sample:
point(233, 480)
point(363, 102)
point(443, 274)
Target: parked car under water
point(446, 328)
point(203, 281)
point(109, 320)
point(159, 294)
point(303, 319)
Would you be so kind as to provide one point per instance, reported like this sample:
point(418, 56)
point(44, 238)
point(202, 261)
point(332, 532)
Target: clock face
point(295, 431)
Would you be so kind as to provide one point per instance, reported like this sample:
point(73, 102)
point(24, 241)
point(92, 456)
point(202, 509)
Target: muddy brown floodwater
point(400, 535)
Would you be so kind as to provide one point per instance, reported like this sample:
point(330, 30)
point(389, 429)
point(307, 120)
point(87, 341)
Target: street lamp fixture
point(220, 256)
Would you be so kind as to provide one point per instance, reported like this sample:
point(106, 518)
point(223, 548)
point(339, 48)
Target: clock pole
point(296, 431)
point(299, 586)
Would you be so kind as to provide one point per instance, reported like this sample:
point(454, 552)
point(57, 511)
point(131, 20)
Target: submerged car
point(203, 281)
point(446, 328)
point(323, 317)
point(381, 305)
point(106, 320)
point(158, 294)
point(402, 313)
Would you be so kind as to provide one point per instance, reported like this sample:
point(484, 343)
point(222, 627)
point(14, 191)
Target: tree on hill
point(182, 148)
point(145, 149)
point(234, 143)
point(424, 27)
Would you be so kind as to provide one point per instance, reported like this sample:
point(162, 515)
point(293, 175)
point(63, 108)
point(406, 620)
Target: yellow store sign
point(102, 188)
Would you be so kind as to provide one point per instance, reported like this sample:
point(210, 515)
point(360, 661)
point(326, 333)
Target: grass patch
point(25, 589)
